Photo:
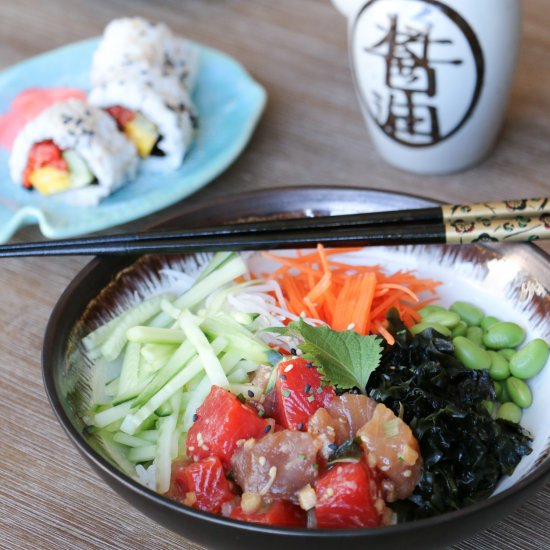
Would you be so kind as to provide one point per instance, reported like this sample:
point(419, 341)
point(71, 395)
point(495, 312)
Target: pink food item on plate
point(28, 105)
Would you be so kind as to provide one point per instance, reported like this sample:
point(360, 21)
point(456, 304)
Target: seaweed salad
point(465, 450)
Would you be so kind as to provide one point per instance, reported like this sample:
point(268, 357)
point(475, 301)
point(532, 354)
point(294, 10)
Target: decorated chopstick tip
point(517, 229)
point(506, 208)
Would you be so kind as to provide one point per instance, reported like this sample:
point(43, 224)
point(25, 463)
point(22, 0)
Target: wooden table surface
point(311, 132)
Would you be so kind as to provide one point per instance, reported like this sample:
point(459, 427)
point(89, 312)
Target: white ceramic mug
point(433, 76)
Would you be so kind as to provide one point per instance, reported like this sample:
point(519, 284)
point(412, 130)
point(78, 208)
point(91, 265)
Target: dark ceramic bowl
point(515, 277)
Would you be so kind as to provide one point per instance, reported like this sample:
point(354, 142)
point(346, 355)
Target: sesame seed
point(262, 460)
point(195, 417)
point(288, 368)
point(311, 398)
point(307, 388)
point(250, 393)
point(293, 351)
point(333, 446)
point(190, 498)
point(283, 377)
point(205, 447)
point(267, 428)
point(300, 426)
point(309, 365)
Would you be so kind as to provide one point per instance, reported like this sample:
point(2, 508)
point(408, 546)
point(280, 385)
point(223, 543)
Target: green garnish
point(346, 358)
point(391, 427)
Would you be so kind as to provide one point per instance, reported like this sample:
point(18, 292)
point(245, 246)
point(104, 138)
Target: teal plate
point(229, 103)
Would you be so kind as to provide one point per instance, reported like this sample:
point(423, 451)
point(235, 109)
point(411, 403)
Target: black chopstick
point(519, 220)
point(370, 219)
point(417, 216)
point(386, 235)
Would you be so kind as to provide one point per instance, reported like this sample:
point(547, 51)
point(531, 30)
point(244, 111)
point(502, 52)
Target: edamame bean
point(470, 354)
point(488, 321)
point(519, 392)
point(460, 329)
point(430, 308)
point(503, 335)
point(475, 334)
point(504, 395)
point(499, 369)
point(507, 352)
point(444, 317)
point(498, 389)
point(469, 313)
point(530, 359)
point(509, 411)
point(417, 329)
point(489, 405)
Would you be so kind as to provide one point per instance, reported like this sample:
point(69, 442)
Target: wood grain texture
point(312, 132)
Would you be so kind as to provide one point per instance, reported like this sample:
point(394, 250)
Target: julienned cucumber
point(170, 352)
point(227, 270)
point(139, 315)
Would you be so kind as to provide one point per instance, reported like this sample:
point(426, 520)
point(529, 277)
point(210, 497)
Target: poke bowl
point(510, 282)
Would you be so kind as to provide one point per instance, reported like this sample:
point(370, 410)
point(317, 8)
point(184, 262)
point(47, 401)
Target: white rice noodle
point(91, 133)
point(162, 102)
point(134, 40)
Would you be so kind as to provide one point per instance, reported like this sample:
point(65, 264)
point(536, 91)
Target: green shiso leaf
point(347, 359)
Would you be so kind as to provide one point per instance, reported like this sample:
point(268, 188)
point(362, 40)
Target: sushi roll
point(156, 114)
point(132, 41)
point(142, 75)
point(74, 151)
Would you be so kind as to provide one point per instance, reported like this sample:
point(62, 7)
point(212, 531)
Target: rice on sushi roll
point(155, 113)
point(134, 40)
point(74, 151)
point(141, 75)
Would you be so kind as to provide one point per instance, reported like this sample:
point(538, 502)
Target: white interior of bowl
point(498, 285)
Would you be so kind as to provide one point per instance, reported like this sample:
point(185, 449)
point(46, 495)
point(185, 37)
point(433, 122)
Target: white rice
point(134, 40)
point(90, 132)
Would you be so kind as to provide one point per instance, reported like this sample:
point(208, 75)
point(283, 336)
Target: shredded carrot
point(388, 336)
point(347, 296)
